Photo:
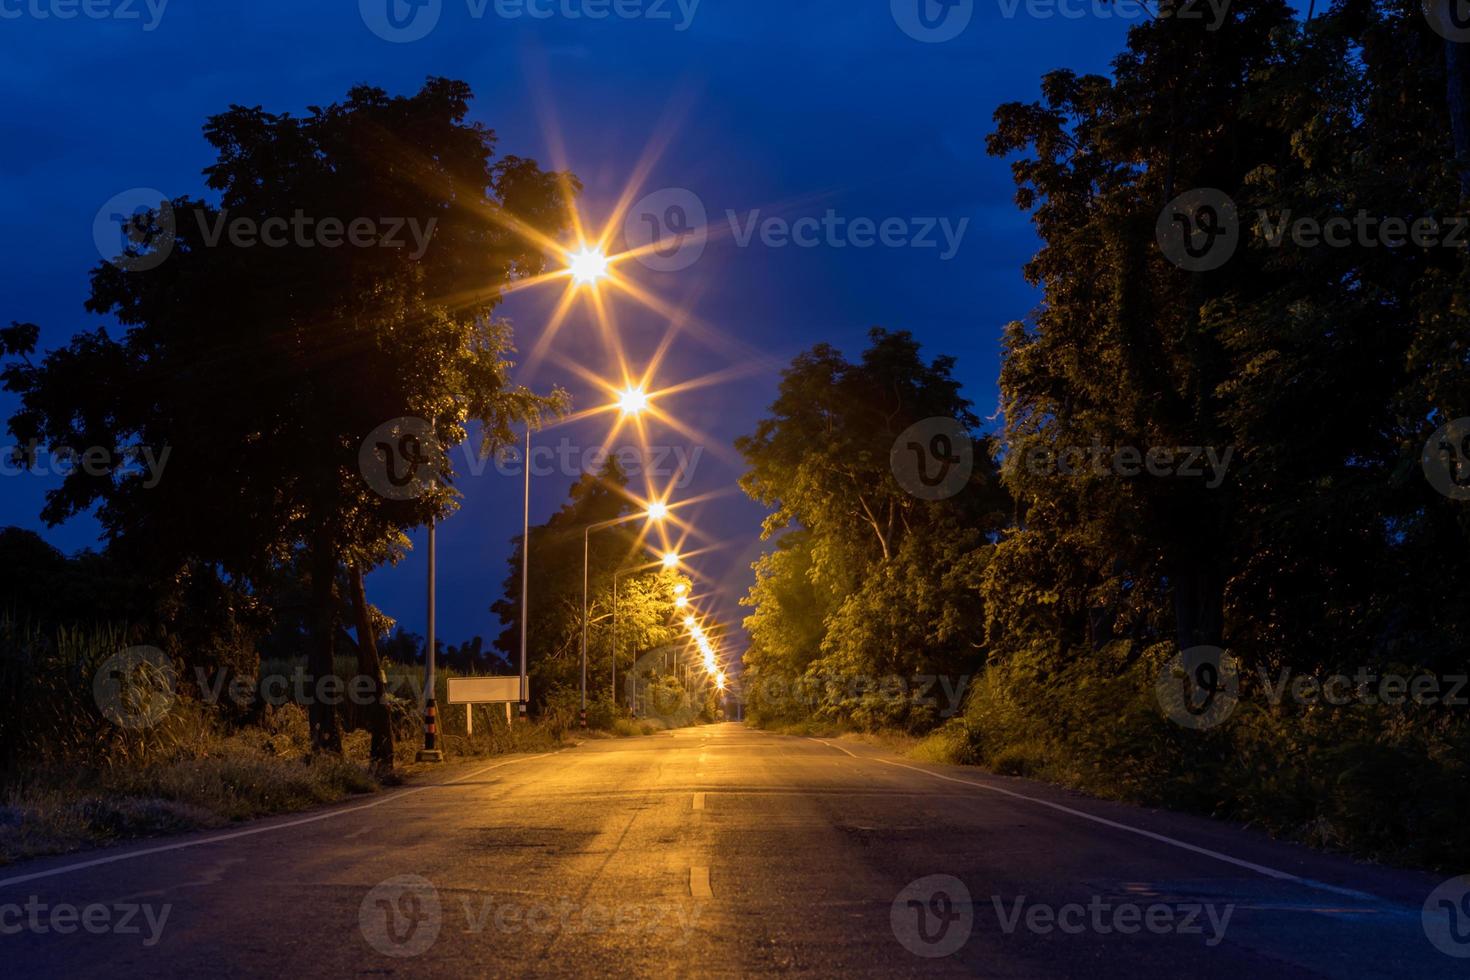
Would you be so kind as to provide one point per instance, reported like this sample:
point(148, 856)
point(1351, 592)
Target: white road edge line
point(1171, 841)
point(699, 883)
point(218, 838)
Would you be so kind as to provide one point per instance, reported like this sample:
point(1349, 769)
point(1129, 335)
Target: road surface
point(718, 851)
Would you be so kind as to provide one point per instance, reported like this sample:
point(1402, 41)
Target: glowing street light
point(618, 575)
point(587, 265)
point(633, 401)
point(656, 511)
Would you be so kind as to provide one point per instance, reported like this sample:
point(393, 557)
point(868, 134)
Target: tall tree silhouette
point(263, 369)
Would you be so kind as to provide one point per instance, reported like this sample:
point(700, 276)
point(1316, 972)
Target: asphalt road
point(718, 851)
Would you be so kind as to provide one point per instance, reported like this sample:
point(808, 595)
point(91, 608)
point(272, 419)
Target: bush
point(1387, 783)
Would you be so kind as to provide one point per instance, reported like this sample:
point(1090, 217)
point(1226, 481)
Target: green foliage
point(1317, 546)
point(867, 582)
point(49, 713)
point(261, 370)
point(645, 593)
point(1390, 783)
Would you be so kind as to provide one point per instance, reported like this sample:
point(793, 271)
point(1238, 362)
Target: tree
point(263, 369)
point(868, 580)
point(1129, 350)
point(554, 634)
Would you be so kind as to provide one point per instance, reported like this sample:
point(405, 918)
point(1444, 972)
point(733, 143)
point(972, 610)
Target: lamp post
point(655, 512)
point(631, 402)
point(525, 570)
point(669, 562)
point(431, 752)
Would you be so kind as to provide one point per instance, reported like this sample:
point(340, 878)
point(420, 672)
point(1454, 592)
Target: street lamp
point(586, 566)
point(586, 266)
point(633, 401)
point(619, 574)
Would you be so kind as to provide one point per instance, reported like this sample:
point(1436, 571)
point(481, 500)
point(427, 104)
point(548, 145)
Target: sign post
point(470, 691)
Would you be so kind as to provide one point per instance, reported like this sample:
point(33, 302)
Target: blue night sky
point(792, 107)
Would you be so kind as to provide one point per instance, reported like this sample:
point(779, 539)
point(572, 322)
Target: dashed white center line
point(699, 883)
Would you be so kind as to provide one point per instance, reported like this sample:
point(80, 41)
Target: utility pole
point(525, 569)
point(430, 752)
